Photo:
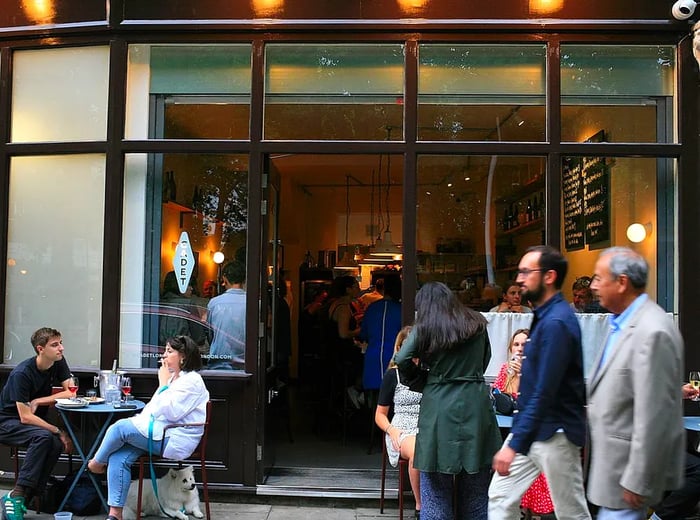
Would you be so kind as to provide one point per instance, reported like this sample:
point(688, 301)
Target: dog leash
point(154, 481)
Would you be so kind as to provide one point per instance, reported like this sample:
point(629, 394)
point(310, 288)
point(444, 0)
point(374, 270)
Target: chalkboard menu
point(573, 204)
point(586, 204)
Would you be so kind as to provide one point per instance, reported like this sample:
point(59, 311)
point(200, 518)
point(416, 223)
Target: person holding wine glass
point(694, 382)
point(181, 397)
point(24, 403)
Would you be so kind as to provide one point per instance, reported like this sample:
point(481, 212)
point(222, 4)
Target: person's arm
point(343, 316)
point(182, 397)
point(384, 402)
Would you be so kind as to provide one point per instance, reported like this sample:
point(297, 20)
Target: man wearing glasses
point(549, 430)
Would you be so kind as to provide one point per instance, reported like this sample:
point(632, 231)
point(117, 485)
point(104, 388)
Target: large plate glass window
point(191, 92)
point(620, 201)
point(481, 93)
point(348, 91)
point(624, 91)
point(185, 219)
point(54, 254)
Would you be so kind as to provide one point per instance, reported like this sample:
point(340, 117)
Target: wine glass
point(694, 379)
point(126, 387)
point(73, 386)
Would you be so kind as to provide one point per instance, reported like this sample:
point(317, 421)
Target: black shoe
point(417, 514)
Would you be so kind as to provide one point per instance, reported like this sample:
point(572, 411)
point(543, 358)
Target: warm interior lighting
point(39, 11)
point(267, 8)
point(348, 259)
point(412, 6)
point(218, 257)
point(545, 7)
point(638, 232)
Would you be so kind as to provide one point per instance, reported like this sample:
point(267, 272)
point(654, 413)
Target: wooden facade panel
point(394, 9)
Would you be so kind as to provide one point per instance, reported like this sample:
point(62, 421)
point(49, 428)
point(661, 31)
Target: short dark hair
point(508, 285)
point(42, 336)
point(551, 259)
point(582, 282)
point(192, 360)
point(234, 272)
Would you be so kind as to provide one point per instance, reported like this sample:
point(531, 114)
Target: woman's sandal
point(97, 469)
point(111, 517)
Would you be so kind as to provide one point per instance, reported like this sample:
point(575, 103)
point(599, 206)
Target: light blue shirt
point(226, 315)
point(617, 323)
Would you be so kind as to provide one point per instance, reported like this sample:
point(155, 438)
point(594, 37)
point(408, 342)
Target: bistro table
point(105, 413)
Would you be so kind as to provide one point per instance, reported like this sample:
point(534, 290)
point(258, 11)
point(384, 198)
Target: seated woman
point(181, 398)
point(401, 431)
point(537, 499)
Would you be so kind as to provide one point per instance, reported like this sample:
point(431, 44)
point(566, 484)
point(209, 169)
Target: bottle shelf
point(527, 227)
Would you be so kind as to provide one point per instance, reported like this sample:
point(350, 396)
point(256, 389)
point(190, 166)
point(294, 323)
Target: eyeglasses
point(527, 272)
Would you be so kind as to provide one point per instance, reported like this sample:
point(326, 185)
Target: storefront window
point(481, 93)
point(60, 94)
point(352, 92)
point(177, 206)
point(196, 91)
point(476, 216)
point(624, 91)
point(54, 254)
point(616, 201)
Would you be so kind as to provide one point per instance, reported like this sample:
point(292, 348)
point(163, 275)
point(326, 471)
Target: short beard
point(534, 295)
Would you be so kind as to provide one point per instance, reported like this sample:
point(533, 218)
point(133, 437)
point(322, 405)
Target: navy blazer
point(552, 392)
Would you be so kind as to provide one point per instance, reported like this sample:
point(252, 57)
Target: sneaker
point(12, 507)
point(354, 396)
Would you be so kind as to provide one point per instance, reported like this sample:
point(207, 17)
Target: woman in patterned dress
point(401, 431)
point(537, 499)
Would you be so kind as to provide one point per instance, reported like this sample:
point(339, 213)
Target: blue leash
point(154, 481)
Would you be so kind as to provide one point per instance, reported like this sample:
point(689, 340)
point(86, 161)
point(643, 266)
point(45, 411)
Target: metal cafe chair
point(403, 472)
point(199, 455)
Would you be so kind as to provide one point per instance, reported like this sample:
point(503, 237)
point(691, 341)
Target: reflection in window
point(334, 91)
point(625, 91)
point(202, 91)
point(481, 93)
point(203, 196)
point(476, 216)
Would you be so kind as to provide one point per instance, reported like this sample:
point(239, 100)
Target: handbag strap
point(154, 480)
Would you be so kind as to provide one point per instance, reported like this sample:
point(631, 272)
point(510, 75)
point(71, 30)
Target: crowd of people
point(459, 464)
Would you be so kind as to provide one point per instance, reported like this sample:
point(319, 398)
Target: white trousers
point(560, 461)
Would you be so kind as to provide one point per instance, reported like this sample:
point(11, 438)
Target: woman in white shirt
point(181, 398)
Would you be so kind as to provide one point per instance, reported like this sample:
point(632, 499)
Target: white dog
point(177, 492)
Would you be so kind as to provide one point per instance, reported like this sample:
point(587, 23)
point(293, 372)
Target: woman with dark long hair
point(458, 433)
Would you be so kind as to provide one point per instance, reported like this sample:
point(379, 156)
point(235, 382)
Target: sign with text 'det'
point(183, 262)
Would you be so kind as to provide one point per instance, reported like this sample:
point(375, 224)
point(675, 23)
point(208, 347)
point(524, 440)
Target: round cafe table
point(105, 414)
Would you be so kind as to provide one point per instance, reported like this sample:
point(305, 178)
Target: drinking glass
point(73, 387)
point(694, 379)
point(126, 387)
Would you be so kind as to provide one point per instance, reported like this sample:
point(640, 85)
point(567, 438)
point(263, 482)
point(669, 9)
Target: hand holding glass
point(694, 379)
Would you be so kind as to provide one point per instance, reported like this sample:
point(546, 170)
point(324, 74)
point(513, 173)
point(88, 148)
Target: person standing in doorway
point(24, 403)
point(549, 430)
point(635, 409)
point(226, 315)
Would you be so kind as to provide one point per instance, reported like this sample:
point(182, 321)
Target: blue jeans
point(120, 448)
point(472, 495)
point(622, 514)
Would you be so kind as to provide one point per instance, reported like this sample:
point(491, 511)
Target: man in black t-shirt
point(23, 407)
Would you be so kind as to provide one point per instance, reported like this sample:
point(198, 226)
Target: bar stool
point(403, 471)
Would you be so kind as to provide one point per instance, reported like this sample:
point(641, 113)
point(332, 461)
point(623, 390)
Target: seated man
point(512, 300)
point(681, 503)
point(23, 407)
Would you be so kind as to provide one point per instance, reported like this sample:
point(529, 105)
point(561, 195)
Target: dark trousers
point(472, 494)
point(43, 449)
point(680, 503)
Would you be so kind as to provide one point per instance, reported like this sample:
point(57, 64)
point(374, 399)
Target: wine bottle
point(515, 220)
point(528, 211)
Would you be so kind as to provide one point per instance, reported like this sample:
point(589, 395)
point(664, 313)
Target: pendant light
point(348, 259)
point(385, 246)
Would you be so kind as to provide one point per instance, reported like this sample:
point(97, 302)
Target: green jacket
point(457, 425)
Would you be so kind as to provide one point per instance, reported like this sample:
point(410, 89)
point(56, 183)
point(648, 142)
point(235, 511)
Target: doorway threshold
point(328, 483)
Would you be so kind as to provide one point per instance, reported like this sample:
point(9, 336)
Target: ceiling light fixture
point(348, 259)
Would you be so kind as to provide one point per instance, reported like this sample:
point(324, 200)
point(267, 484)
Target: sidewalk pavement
point(279, 508)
